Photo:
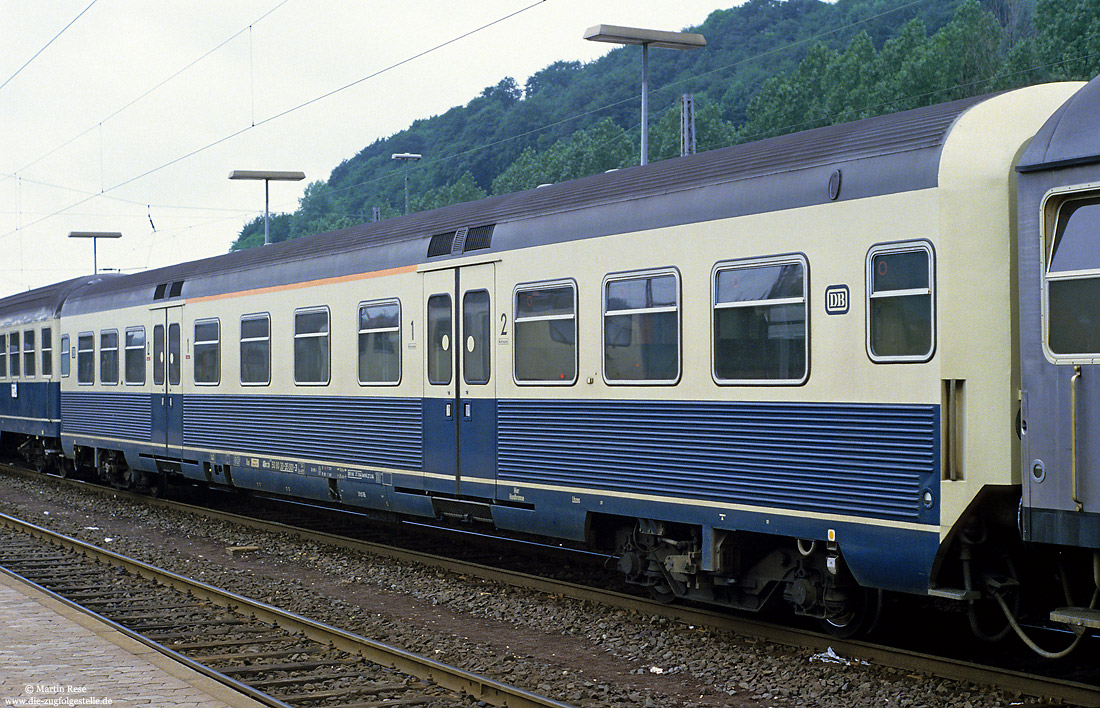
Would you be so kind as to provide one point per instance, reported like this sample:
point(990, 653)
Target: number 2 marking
point(504, 324)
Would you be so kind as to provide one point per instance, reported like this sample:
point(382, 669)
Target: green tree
point(604, 147)
point(464, 190)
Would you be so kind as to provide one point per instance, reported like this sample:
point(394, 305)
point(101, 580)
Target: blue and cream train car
point(30, 363)
point(782, 372)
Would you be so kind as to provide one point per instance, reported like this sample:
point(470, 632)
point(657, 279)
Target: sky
point(128, 115)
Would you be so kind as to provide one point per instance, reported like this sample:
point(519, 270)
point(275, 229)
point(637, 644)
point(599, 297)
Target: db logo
point(836, 300)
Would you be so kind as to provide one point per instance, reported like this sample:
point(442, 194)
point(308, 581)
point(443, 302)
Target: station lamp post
point(406, 157)
point(95, 236)
point(613, 34)
point(267, 176)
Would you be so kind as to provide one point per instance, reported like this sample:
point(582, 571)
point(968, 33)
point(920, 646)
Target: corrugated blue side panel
point(385, 432)
point(114, 415)
point(864, 460)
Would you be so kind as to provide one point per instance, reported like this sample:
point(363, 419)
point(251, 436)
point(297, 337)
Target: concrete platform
point(54, 655)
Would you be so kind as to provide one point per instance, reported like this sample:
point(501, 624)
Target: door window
point(476, 332)
point(158, 355)
point(174, 354)
point(440, 359)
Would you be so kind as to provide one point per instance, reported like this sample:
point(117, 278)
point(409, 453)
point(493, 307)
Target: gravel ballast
point(579, 653)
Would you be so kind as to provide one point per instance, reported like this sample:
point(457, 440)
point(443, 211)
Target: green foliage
point(770, 67)
point(964, 58)
point(464, 190)
point(604, 147)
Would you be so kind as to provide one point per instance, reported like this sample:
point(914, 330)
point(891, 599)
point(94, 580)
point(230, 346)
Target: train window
point(545, 323)
point(311, 346)
point(3, 355)
point(256, 350)
point(207, 369)
point(108, 356)
point(28, 353)
point(47, 352)
point(158, 355)
point(1073, 280)
point(66, 364)
point(641, 328)
point(759, 326)
point(380, 342)
point(13, 351)
point(85, 358)
point(440, 359)
point(134, 364)
point(901, 308)
point(476, 332)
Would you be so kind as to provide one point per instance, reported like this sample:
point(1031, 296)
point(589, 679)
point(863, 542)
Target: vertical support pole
point(267, 212)
point(687, 124)
point(95, 257)
point(645, 105)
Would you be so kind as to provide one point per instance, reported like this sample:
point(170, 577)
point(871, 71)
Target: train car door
point(460, 386)
point(1060, 399)
point(167, 366)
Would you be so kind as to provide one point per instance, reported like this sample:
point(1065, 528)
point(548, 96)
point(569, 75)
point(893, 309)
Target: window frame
point(65, 361)
point(217, 346)
point(45, 363)
point(360, 332)
point(15, 357)
point(517, 320)
point(679, 310)
point(760, 262)
point(30, 353)
point(327, 334)
point(894, 247)
point(126, 349)
point(241, 341)
point(90, 336)
point(4, 355)
point(102, 349)
point(1049, 218)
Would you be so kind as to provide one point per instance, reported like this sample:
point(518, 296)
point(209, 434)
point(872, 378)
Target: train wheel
point(860, 616)
point(662, 593)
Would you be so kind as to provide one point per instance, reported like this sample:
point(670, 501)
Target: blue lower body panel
point(30, 408)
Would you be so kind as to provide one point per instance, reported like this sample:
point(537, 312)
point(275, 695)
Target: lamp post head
point(406, 156)
point(273, 175)
point(614, 34)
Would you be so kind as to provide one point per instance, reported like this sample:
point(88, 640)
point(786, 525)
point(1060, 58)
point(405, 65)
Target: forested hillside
point(770, 67)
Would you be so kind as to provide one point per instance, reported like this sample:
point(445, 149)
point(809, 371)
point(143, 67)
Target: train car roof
point(1069, 136)
point(43, 303)
point(881, 155)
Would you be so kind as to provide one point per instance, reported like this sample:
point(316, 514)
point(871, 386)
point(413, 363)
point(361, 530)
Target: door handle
point(448, 412)
point(1073, 435)
point(467, 411)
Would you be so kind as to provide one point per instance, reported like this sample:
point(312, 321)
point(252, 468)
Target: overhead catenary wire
point(290, 110)
point(47, 44)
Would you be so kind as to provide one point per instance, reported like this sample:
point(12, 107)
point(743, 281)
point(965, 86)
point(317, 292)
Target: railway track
point(276, 657)
point(1026, 683)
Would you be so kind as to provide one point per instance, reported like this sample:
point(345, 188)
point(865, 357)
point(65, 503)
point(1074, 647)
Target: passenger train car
point(794, 372)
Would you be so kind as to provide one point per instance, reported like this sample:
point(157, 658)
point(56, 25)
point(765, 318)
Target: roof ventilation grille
point(479, 237)
point(440, 245)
